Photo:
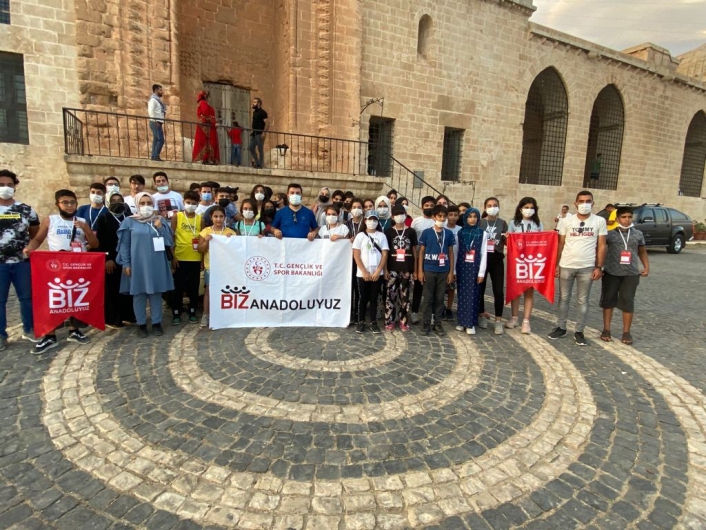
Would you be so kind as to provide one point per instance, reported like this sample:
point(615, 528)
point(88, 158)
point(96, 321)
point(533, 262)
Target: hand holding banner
point(67, 284)
point(531, 261)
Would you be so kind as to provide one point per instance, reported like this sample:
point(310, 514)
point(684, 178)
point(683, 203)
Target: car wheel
point(676, 244)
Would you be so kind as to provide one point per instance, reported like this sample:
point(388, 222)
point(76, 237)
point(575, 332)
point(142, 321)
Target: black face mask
point(323, 198)
point(117, 208)
point(223, 202)
point(65, 215)
point(338, 203)
point(427, 212)
point(269, 211)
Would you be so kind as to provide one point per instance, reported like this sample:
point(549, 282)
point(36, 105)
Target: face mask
point(146, 211)
point(356, 212)
point(162, 189)
point(372, 224)
point(248, 214)
point(6, 192)
point(65, 215)
point(118, 208)
point(492, 211)
point(207, 196)
point(631, 225)
point(189, 208)
point(527, 212)
point(382, 212)
point(260, 197)
point(338, 203)
point(427, 212)
point(439, 224)
point(323, 198)
point(406, 208)
point(331, 219)
point(113, 188)
point(98, 199)
point(399, 219)
point(295, 200)
point(223, 202)
point(270, 212)
point(584, 208)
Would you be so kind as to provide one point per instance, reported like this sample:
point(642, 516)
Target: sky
point(678, 25)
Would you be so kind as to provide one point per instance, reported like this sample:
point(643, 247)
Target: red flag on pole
point(531, 262)
point(67, 284)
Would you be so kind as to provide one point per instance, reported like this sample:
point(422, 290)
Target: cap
point(371, 213)
point(398, 209)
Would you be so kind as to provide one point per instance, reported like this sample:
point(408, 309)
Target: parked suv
point(661, 226)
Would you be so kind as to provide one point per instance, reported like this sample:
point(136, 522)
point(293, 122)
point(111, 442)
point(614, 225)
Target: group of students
point(156, 247)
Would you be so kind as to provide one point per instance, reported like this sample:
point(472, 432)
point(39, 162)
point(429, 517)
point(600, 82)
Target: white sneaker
point(499, 328)
point(460, 328)
point(483, 323)
point(414, 318)
point(512, 323)
point(526, 329)
point(471, 331)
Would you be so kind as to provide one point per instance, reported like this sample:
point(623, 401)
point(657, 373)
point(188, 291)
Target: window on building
point(544, 130)
point(694, 162)
point(13, 103)
point(4, 11)
point(605, 141)
point(424, 35)
point(451, 162)
point(380, 138)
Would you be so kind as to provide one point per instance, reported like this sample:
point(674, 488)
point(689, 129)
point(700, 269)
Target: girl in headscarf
point(382, 207)
point(206, 139)
point(319, 208)
point(470, 269)
point(144, 251)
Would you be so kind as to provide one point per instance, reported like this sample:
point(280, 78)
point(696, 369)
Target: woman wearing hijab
point(118, 307)
point(206, 139)
point(383, 208)
point(319, 209)
point(144, 252)
point(470, 270)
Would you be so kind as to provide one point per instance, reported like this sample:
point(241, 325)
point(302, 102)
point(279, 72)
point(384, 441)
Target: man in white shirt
point(207, 192)
point(581, 255)
point(166, 201)
point(137, 185)
point(156, 110)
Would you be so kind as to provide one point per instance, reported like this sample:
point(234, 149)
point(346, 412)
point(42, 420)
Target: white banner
point(267, 282)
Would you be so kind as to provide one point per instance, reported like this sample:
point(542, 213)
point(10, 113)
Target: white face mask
point(248, 214)
point(260, 197)
point(527, 212)
point(146, 211)
point(113, 188)
point(406, 208)
point(331, 219)
point(162, 189)
point(190, 208)
point(6, 192)
point(584, 208)
point(439, 224)
point(631, 225)
point(97, 199)
point(356, 212)
point(372, 224)
point(295, 200)
point(383, 211)
point(399, 219)
point(492, 211)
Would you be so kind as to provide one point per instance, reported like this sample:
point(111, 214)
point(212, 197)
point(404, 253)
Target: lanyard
point(625, 241)
point(522, 226)
point(213, 230)
point(247, 232)
point(399, 234)
point(441, 241)
point(191, 227)
point(90, 215)
point(153, 228)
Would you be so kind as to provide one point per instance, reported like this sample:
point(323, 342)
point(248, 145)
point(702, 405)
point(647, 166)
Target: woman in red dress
point(206, 139)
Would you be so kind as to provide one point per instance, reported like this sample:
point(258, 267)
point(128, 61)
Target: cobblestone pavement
point(327, 429)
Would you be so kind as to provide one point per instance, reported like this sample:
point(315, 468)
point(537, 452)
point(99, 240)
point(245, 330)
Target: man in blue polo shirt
point(295, 220)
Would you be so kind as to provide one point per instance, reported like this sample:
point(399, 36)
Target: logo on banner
point(53, 265)
point(530, 269)
point(257, 268)
point(67, 297)
point(520, 244)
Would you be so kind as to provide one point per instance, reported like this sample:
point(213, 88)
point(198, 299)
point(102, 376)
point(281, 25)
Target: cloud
point(678, 25)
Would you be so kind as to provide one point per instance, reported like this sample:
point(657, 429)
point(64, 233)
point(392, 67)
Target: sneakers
point(78, 336)
point(512, 323)
point(426, 328)
point(438, 328)
point(448, 314)
point(557, 333)
point(3, 343)
point(47, 342)
point(579, 339)
point(204, 320)
point(499, 328)
point(29, 335)
point(374, 328)
point(404, 327)
point(526, 329)
point(176, 320)
point(483, 323)
point(192, 318)
point(471, 331)
point(157, 330)
point(390, 327)
point(142, 331)
point(414, 318)
point(360, 328)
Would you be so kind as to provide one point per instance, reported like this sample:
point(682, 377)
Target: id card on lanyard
point(442, 256)
point(491, 245)
point(471, 256)
point(157, 242)
point(625, 255)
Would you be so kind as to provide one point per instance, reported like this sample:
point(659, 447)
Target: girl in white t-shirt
point(370, 250)
point(332, 229)
point(526, 220)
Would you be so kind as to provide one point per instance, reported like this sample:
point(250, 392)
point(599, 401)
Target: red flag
point(531, 262)
point(67, 284)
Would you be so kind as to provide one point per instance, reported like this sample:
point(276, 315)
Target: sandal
point(605, 336)
point(627, 338)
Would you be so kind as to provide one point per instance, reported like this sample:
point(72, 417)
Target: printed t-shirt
point(209, 230)
point(495, 230)
point(15, 221)
point(401, 244)
point(581, 241)
point(369, 255)
point(434, 243)
point(620, 241)
point(60, 232)
point(168, 203)
point(187, 230)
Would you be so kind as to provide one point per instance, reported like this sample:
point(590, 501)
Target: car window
point(678, 216)
point(647, 212)
point(661, 216)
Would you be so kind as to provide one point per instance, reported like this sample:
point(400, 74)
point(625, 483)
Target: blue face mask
point(206, 196)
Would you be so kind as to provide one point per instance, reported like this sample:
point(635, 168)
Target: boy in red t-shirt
point(236, 143)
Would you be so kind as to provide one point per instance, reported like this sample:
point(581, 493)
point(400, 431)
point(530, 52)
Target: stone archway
point(605, 140)
point(694, 161)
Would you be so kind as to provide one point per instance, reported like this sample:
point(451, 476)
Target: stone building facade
point(472, 89)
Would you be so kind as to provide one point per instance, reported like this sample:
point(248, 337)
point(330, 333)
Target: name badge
point(195, 244)
point(158, 243)
point(399, 254)
point(442, 260)
point(471, 256)
point(625, 257)
point(491, 245)
point(76, 247)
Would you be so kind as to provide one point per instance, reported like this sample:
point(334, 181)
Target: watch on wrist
point(599, 267)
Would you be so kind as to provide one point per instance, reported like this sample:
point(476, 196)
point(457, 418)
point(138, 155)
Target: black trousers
point(118, 307)
point(186, 280)
point(355, 294)
point(434, 291)
point(369, 293)
point(417, 296)
point(496, 270)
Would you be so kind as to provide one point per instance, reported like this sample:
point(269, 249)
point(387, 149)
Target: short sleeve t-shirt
point(15, 221)
point(620, 241)
point(369, 255)
point(401, 244)
point(420, 224)
point(435, 243)
point(168, 203)
point(524, 226)
point(339, 230)
point(495, 230)
point(258, 119)
point(250, 230)
point(581, 241)
point(209, 230)
point(91, 214)
point(295, 224)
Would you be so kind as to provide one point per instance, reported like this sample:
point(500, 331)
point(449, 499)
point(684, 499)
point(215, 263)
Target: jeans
point(582, 277)
point(157, 138)
point(235, 154)
point(139, 304)
point(17, 274)
point(434, 291)
point(256, 140)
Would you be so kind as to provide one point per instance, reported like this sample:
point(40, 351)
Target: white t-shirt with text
point(581, 241)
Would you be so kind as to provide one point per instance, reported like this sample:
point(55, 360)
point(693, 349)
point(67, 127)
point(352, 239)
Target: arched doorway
point(605, 140)
point(694, 162)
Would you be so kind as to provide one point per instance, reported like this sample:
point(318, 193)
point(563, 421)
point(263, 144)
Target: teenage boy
point(370, 254)
point(112, 185)
point(420, 224)
point(91, 212)
point(401, 261)
point(206, 191)
point(451, 220)
point(581, 257)
point(186, 264)
point(63, 232)
point(137, 185)
point(621, 276)
point(435, 268)
point(223, 199)
point(295, 220)
point(166, 201)
point(18, 224)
